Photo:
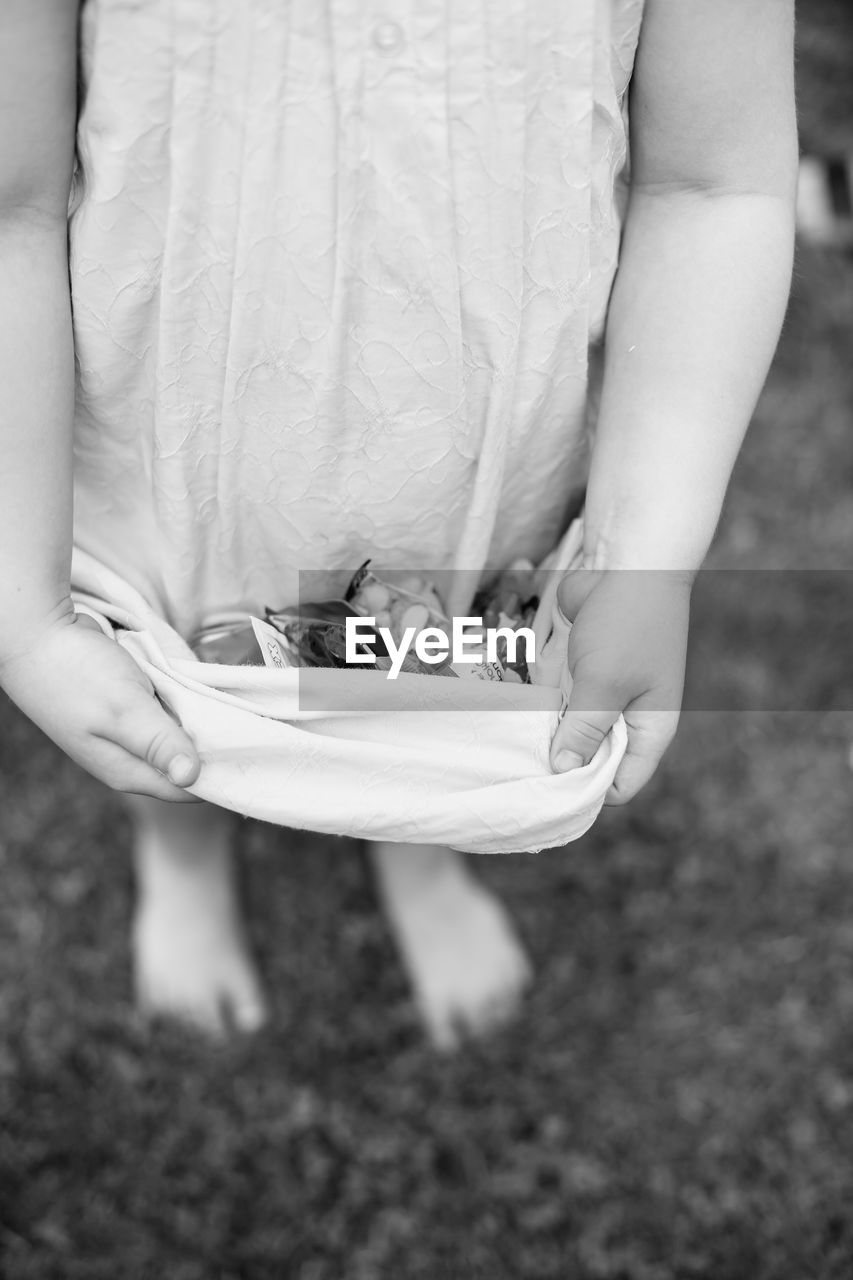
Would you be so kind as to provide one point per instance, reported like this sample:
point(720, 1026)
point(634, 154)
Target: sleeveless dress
point(336, 270)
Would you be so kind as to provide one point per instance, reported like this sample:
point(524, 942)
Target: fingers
point(574, 589)
point(156, 741)
point(594, 704)
point(592, 710)
point(568, 591)
point(126, 773)
point(626, 654)
point(650, 732)
point(96, 703)
point(581, 732)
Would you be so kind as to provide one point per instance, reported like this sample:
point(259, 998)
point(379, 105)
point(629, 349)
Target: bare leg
point(190, 954)
point(466, 965)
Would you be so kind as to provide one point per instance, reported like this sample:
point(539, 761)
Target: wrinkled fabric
point(335, 271)
point(463, 763)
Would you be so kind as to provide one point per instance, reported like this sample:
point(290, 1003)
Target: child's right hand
point(91, 698)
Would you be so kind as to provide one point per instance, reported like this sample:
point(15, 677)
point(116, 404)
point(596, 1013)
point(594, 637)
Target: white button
point(387, 36)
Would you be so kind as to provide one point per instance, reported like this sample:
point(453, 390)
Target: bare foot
point(465, 963)
point(190, 955)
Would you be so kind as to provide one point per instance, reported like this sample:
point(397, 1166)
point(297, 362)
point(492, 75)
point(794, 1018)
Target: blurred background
point(677, 1099)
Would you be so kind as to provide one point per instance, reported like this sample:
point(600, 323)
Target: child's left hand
point(626, 654)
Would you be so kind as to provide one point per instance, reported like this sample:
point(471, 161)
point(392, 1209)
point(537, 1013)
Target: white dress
point(336, 267)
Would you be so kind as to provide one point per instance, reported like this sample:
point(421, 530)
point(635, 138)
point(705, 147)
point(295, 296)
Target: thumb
point(574, 589)
point(153, 734)
point(589, 714)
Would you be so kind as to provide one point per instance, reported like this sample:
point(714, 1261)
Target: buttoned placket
point(388, 37)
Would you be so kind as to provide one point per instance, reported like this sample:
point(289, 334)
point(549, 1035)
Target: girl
point(335, 271)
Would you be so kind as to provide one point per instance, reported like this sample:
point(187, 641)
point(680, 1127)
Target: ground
point(677, 1099)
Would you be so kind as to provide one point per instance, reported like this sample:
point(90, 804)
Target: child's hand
point(626, 653)
point(91, 698)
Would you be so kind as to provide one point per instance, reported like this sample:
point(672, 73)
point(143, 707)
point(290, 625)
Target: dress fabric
point(351, 753)
point(336, 268)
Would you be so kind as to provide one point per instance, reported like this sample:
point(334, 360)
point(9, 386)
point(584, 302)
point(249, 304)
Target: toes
point(451, 1018)
point(448, 1032)
point(442, 1033)
point(207, 1017)
point(245, 1014)
point(493, 1013)
point(215, 999)
point(218, 1015)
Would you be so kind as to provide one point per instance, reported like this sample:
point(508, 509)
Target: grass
point(677, 1099)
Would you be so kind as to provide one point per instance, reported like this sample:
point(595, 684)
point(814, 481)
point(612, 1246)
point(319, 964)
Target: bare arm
point(38, 43)
point(72, 681)
point(695, 315)
point(704, 274)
